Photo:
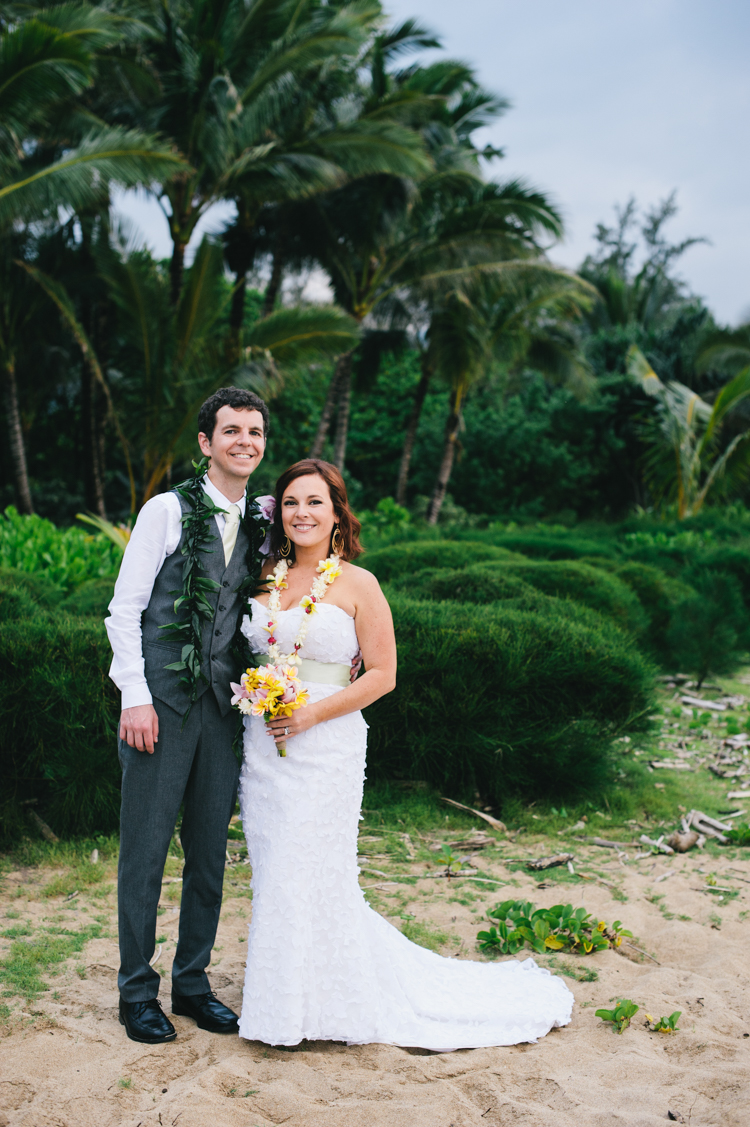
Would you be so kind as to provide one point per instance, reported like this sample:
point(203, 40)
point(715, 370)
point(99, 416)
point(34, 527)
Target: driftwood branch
point(550, 862)
point(44, 829)
point(494, 822)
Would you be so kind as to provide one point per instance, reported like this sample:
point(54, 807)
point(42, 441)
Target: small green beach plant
point(621, 1015)
point(562, 927)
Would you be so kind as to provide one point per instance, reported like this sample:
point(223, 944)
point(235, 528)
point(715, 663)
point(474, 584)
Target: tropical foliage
point(458, 363)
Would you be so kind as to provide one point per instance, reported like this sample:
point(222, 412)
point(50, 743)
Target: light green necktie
point(231, 524)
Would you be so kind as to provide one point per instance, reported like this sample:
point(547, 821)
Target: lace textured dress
point(321, 964)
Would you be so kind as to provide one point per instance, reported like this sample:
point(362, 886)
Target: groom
point(169, 761)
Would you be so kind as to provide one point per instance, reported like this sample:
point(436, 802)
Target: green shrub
point(91, 598)
point(570, 579)
point(473, 584)
point(505, 701)
point(409, 556)
point(545, 545)
point(37, 586)
point(659, 595)
point(710, 627)
point(732, 560)
point(66, 556)
point(58, 716)
point(482, 584)
point(15, 602)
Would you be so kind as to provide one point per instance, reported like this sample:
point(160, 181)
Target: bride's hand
point(287, 727)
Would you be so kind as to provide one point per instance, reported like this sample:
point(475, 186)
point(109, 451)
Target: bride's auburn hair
point(349, 526)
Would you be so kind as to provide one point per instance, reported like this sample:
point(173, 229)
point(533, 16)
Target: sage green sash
point(320, 672)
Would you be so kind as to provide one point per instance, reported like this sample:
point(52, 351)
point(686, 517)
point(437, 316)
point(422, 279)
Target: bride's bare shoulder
point(360, 579)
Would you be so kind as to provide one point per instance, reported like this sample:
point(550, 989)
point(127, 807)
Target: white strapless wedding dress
point(321, 964)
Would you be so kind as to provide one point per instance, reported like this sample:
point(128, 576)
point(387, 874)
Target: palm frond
point(59, 295)
point(82, 177)
point(295, 334)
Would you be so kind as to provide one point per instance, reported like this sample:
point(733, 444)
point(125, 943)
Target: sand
point(66, 1062)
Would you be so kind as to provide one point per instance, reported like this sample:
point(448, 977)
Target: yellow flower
point(329, 569)
point(308, 604)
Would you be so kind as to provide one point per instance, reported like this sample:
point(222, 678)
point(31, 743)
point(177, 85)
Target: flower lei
point(329, 569)
point(193, 599)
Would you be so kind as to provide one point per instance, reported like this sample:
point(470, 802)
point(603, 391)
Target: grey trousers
point(195, 766)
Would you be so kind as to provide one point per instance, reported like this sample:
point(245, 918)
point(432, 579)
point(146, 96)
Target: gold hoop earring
point(285, 548)
point(337, 542)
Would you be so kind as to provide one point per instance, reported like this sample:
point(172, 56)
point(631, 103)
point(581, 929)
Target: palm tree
point(52, 156)
point(727, 350)
point(326, 137)
point(240, 95)
point(378, 241)
point(179, 354)
point(685, 457)
point(630, 296)
point(517, 315)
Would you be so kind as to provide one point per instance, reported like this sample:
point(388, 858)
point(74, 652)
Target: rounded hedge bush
point(659, 594)
point(473, 584)
point(545, 545)
point(90, 599)
point(482, 585)
point(409, 556)
point(570, 579)
point(37, 586)
point(16, 602)
point(505, 701)
point(58, 721)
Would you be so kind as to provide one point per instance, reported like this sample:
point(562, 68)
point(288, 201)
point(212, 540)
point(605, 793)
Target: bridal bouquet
point(269, 691)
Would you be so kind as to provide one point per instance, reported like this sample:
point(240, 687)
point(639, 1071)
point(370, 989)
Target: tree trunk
point(446, 465)
point(316, 450)
point(343, 408)
point(24, 503)
point(91, 428)
point(176, 271)
point(236, 317)
point(411, 432)
point(274, 282)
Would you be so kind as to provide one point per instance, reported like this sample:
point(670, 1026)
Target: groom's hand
point(139, 727)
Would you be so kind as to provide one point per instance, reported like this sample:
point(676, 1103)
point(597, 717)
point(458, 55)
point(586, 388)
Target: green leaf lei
point(193, 598)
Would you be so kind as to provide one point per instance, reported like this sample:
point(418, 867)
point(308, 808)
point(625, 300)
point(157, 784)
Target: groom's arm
point(155, 536)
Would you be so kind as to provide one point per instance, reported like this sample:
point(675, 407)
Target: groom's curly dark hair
point(237, 397)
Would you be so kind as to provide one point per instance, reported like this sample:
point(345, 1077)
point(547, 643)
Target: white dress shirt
point(155, 536)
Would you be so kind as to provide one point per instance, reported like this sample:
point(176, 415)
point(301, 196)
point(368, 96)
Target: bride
point(322, 965)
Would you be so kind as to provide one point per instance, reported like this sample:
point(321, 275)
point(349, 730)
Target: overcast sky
point(610, 100)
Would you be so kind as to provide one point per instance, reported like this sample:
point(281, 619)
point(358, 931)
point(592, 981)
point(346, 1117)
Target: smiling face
point(235, 448)
point(307, 513)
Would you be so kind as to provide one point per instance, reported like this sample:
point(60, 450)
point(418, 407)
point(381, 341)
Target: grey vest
point(159, 650)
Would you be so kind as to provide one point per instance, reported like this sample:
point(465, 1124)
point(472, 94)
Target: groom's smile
point(237, 444)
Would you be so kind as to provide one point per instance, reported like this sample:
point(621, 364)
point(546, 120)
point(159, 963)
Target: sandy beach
point(66, 1061)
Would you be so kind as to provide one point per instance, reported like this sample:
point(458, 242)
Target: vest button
point(217, 633)
point(222, 608)
point(226, 583)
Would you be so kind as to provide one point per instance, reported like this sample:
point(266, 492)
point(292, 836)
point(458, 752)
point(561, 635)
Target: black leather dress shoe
point(207, 1010)
point(146, 1022)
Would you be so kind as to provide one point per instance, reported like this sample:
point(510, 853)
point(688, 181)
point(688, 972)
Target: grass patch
point(82, 876)
point(425, 935)
point(22, 969)
point(579, 973)
point(16, 932)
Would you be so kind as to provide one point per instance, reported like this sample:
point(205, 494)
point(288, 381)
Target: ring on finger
point(286, 731)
